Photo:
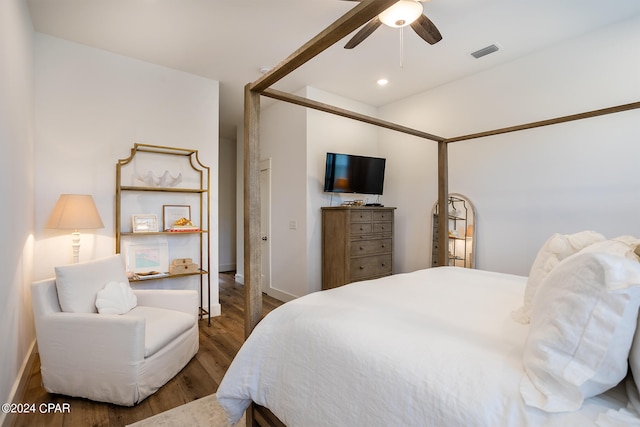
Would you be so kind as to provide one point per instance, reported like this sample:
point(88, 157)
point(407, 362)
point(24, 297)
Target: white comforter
point(436, 347)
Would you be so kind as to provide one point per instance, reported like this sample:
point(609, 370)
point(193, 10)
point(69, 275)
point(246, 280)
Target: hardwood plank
point(83, 414)
point(219, 344)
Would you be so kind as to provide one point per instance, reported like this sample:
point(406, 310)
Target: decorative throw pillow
point(617, 246)
point(78, 284)
point(555, 249)
point(116, 298)
point(632, 241)
point(633, 381)
point(582, 324)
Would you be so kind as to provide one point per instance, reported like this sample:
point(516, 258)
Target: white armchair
point(114, 358)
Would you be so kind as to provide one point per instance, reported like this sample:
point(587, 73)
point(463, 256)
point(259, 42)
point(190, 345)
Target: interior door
point(265, 224)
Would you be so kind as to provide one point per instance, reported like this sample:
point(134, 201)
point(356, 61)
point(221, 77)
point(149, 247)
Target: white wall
point(331, 133)
point(16, 190)
point(410, 177)
point(283, 140)
point(91, 106)
point(227, 206)
point(240, 204)
point(530, 184)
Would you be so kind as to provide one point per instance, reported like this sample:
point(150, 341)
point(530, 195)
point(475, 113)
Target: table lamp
point(75, 212)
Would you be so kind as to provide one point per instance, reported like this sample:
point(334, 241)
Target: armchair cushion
point(161, 326)
point(78, 284)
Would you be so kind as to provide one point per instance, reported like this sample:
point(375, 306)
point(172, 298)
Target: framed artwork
point(147, 257)
point(144, 223)
point(173, 213)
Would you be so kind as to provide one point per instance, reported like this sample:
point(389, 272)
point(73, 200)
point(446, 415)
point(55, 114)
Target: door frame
point(265, 209)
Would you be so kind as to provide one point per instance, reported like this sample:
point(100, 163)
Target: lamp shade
point(74, 212)
point(401, 14)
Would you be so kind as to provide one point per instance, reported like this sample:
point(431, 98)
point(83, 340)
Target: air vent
point(485, 51)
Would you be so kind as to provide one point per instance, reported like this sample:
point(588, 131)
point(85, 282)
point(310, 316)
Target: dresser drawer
point(361, 216)
point(382, 215)
point(382, 227)
point(361, 228)
point(370, 247)
point(377, 265)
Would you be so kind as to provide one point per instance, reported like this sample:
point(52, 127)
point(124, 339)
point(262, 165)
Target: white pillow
point(634, 355)
point(583, 321)
point(555, 249)
point(615, 246)
point(116, 298)
point(78, 284)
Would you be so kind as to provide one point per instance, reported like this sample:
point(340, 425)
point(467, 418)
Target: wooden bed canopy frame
point(345, 25)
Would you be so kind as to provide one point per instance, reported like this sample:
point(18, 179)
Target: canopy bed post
point(252, 248)
point(443, 197)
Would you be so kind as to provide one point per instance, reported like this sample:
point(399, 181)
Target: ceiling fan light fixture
point(401, 14)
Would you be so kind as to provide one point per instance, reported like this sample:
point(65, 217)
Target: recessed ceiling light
point(382, 82)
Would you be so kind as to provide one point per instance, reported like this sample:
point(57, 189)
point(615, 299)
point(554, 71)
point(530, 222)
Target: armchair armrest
point(185, 301)
point(97, 356)
point(91, 339)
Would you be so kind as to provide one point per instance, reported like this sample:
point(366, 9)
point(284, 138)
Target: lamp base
point(75, 244)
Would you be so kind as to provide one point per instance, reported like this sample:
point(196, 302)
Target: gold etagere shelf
point(202, 173)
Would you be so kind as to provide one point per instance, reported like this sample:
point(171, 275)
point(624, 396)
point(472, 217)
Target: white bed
point(436, 347)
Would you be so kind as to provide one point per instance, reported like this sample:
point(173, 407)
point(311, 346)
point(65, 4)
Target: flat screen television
point(346, 173)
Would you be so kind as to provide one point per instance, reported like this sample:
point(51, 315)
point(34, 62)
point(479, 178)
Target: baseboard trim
point(216, 310)
point(280, 295)
point(20, 384)
point(223, 268)
point(273, 292)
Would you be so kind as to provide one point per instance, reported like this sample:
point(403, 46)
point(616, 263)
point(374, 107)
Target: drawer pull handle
point(382, 265)
point(361, 268)
point(361, 248)
point(361, 228)
point(383, 246)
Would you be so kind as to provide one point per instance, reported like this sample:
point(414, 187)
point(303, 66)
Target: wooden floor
point(218, 345)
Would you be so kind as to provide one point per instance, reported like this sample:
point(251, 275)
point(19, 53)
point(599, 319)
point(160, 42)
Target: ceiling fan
point(401, 14)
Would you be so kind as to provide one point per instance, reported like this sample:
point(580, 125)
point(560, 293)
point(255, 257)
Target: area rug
point(199, 413)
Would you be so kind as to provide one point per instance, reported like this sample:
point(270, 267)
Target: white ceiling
point(229, 40)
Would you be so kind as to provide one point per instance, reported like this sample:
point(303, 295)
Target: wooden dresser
point(357, 244)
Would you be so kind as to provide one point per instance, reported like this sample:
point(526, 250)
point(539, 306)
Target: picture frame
point(172, 213)
point(147, 257)
point(144, 223)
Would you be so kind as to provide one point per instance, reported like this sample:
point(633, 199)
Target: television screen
point(347, 173)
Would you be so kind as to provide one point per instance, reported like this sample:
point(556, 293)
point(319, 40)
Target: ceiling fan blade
point(426, 30)
point(365, 32)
